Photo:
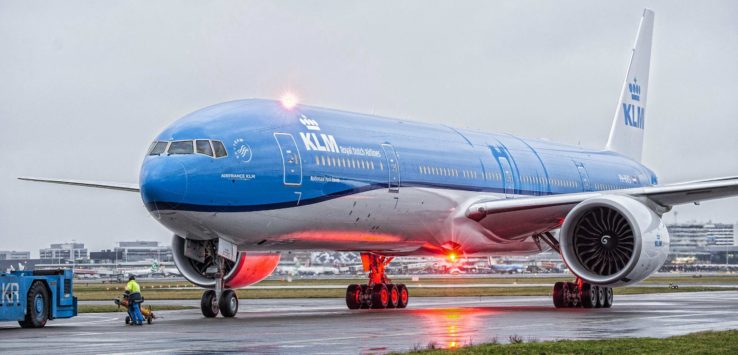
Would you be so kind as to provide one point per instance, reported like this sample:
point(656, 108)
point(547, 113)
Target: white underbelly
point(411, 221)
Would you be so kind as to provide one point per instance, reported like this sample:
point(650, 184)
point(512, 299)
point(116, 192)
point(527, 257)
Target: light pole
point(726, 257)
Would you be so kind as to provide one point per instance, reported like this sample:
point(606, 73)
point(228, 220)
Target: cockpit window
point(213, 149)
point(181, 147)
point(219, 148)
point(157, 148)
point(203, 147)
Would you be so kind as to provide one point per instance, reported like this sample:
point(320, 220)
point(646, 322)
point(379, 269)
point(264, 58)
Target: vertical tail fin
point(626, 134)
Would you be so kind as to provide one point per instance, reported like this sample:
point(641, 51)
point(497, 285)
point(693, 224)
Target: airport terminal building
point(65, 251)
point(688, 237)
point(14, 255)
point(700, 243)
point(132, 251)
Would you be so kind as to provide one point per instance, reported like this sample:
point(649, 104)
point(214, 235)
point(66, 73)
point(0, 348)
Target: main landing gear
point(220, 300)
point(379, 292)
point(581, 294)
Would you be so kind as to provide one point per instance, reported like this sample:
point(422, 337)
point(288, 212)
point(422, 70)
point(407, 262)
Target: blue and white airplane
point(240, 181)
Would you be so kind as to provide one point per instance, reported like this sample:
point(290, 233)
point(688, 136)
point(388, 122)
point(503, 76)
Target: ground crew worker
point(134, 300)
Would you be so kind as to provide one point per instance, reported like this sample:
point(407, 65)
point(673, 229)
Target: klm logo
point(658, 242)
point(635, 90)
point(326, 143)
point(314, 141)
point(309, 123)
point(634, 115)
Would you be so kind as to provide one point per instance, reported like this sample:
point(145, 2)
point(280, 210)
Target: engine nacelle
point(248, 269)
point(613, 241)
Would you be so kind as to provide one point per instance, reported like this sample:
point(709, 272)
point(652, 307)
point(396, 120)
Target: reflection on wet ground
point(325, 326)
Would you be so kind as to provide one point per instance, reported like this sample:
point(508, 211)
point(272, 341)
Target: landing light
point(289, 100)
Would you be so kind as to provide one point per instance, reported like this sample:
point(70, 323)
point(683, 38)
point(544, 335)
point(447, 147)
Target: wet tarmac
point(325, 326)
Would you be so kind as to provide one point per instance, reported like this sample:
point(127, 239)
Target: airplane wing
point(120, 186)
point(558, 206)
point(693, 192)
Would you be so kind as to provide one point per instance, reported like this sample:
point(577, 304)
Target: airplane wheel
point(228, 303)
point(209, 304)
point(380, 296)
point(404, 296)
point(609, 297)
point(571, 298)
point(366, 303)
point(588, 295)
point(394, 296)
point(353, 296)
point(600, 296)
point(558, 295)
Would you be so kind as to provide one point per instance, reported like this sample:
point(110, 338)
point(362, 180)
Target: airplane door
point(507, 176)
point(291, 161)
point(584, 176)
point(393, 167)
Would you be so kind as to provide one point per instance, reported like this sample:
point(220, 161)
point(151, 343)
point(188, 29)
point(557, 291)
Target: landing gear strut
point(581, 294)
point(221, 300)
point(379, 292)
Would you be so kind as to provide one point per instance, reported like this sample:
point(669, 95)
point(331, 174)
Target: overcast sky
point(86, 85)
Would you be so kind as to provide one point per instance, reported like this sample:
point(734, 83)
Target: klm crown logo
point(309, 123)
point(635, 90)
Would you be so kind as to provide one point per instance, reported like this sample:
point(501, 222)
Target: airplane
point(239, 182)
point(156, 269)
point(308, 270)
point(508, 268)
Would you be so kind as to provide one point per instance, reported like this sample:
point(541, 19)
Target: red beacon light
point(289, 101)
point(451, 249)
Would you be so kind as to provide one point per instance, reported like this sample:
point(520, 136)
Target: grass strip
point(722, 342)
point(104, 308)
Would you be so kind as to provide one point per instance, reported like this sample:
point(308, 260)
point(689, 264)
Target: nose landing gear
point(221, 300)
point(379, 292)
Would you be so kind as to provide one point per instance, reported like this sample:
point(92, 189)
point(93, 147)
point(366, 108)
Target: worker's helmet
point(131, 278)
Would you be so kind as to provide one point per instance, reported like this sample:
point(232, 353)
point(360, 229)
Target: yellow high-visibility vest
point(133, 286)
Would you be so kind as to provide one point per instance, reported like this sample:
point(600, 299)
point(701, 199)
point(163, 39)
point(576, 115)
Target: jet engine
point(199, 266)
point(613, 241)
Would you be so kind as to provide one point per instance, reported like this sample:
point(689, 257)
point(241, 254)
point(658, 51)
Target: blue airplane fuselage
point(290, 159)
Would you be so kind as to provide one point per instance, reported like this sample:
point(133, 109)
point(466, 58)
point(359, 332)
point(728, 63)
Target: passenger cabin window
point(219, 149)
point(181, 147)
point(203, 147)
point(158, 148)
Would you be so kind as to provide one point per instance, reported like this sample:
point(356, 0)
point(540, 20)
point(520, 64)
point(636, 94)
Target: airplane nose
point(163, 183)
